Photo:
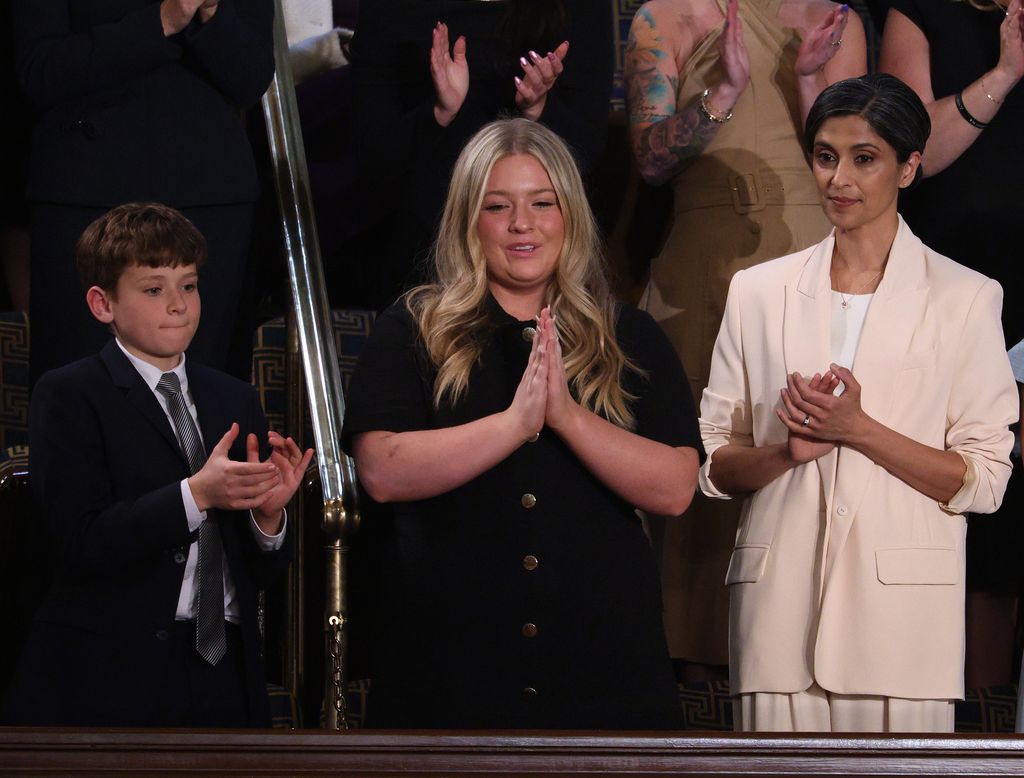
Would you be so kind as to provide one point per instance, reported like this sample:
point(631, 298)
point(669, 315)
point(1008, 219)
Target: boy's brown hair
point(146, 234)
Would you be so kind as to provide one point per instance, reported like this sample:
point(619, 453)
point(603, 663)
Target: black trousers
point(198, 694)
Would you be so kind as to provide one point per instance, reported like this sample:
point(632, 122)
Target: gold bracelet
point(707, 111)
point(984, 90)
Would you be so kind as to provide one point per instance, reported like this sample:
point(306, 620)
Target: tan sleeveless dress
point(748, 198)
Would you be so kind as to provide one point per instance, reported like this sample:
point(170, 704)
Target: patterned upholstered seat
point(14, 342)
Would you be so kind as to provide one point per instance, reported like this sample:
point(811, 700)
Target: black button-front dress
point(529, 597)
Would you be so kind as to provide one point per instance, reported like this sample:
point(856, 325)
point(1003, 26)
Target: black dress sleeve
point(664, 408)
point(391, 387)
point(910, 9)
point(578, 104)
point(394, 115)
point(235, 49)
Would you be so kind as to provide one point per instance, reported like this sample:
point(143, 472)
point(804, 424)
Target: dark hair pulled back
point(890, 107)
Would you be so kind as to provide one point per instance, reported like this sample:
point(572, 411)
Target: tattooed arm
point(665, 139)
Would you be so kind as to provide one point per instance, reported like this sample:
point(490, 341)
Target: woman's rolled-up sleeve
point(725, 416)
point(983, 403)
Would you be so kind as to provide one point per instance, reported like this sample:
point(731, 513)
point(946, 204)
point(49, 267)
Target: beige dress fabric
point(816, 710)
point(749, 198)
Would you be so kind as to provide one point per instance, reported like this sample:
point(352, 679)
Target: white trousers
point(817, 710)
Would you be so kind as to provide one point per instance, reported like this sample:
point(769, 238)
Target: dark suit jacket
point(106, 472)
point(128, 114)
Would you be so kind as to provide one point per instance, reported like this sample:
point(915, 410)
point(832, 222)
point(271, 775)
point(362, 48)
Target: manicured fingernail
point(534, 54)
point(518, 83)
point(523, 62)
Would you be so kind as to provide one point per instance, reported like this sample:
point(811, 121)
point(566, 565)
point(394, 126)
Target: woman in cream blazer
point(859, 399)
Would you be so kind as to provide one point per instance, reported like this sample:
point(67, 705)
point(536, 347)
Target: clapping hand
point(291, 464)
point(804, 446)
point(224, 483)
point(175, 15)
point(450, 73)
point(539, 76)
point(543, 394)
point(561, 404)
point(822, 42)
point(529, 405)
point(1011, 44)
point(732, 53)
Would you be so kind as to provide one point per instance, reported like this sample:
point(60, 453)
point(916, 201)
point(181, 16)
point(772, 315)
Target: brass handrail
point(319, 359)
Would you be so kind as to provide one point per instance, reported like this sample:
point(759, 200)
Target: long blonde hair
point(452, 312)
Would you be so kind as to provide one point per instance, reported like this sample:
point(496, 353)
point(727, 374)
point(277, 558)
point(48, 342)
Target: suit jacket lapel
point(806, 327)
point(213, 417)
point(895, 312)
point(128, 380)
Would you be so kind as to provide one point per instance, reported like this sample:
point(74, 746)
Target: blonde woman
point(516, 416)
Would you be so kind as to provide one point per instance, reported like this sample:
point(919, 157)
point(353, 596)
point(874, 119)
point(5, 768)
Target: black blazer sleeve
point(63, 54)
point(236, 48)
point(59, 61)
point(578, 104)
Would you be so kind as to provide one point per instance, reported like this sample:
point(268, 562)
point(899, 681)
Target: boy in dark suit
point(164, 518)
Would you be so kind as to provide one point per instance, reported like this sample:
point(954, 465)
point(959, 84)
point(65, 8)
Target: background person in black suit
point(140, 100)
point(114, 642)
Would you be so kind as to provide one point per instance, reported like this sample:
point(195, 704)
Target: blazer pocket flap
point(747, 564)
point(918, 565)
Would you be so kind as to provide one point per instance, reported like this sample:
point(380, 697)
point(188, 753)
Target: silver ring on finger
point(807, 420)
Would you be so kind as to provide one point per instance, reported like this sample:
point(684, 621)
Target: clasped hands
point(449, 70)
point(175, 15)
point(542, 397)
point(816, 418)
point(261, 487)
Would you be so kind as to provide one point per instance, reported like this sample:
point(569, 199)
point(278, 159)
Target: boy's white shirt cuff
point(193, 515)
point(263, 540)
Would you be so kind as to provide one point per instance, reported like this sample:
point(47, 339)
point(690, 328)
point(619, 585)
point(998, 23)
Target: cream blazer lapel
point(806, 329)
point(895, 313)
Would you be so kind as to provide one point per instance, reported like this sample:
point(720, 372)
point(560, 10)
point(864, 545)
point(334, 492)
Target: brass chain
point(336, 646)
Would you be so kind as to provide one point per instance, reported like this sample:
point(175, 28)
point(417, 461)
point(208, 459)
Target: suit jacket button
point(528, 500)
point(529, 693)
point(529, 630)
point(161, 634)
point(179, 557)
point(530, 562)
point(842, 510)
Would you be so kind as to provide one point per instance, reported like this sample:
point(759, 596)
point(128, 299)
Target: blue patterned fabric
point(622, 16)
point(14, 340)
point(351, 330)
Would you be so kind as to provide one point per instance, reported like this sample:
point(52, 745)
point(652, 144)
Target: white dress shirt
point(186, 599)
